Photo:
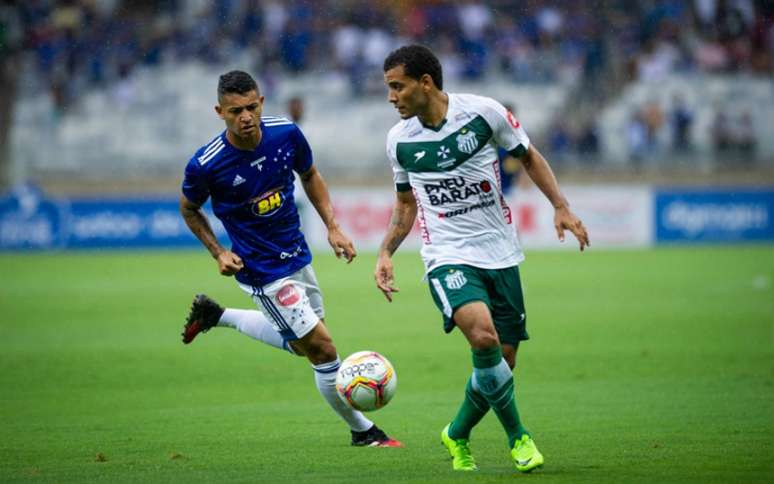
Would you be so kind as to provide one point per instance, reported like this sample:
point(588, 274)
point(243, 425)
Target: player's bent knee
point(320, 350)
point(321, 354)
point(480, 340)
point(297, 349)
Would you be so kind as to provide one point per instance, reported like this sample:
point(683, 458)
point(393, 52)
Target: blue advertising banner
point(728, 215)
point(29, 220)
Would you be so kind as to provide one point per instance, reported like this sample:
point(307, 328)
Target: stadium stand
point(706, 97)
point(124, 87)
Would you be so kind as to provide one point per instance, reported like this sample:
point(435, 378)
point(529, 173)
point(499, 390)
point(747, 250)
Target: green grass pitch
point(644, 366)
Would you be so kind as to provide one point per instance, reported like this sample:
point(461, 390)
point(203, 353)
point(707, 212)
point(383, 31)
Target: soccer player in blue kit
point(247, 172)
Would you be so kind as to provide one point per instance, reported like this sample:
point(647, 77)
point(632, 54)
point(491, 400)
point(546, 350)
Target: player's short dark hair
point(236, 82)
point(417, 60)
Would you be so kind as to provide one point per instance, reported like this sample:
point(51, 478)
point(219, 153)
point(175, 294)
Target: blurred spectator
point(560, 142)
point(124, 92)
point(510, 166)
point(657, 60)
point(475, 19)
point(681, 121)
point(721, 132)
point(734, 135)
point(637, 138)
point(588, 141)
point(294, 47)
point(653, 117)
point(295, 109)
point(745, 139)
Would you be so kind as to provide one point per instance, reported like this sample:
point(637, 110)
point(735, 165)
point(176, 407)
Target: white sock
point(325, 378)
point(255, 325)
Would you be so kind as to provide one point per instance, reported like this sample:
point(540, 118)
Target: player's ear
point(219, 110)
point(427, 82)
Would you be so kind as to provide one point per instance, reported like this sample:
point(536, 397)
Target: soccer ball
point(366, 381)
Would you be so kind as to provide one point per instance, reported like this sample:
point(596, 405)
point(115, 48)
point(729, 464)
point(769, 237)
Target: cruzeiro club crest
point(455, 279)
point(467, 141)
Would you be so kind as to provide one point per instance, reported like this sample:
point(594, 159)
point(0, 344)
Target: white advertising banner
point(616, 216)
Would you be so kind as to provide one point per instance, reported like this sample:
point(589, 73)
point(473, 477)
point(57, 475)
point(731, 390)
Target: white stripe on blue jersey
point(207, 157)
point(275, 121)
point(212, 146)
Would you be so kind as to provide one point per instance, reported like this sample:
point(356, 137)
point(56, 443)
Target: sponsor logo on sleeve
point(513, 121)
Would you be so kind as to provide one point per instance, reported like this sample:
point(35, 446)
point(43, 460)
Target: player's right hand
point(384, 277)
point(564, 219)
point(229, 263)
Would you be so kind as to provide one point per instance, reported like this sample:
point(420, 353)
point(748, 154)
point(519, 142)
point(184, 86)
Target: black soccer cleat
point(205, 313)
point(373, 437)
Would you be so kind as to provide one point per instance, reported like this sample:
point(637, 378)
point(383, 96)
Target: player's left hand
point(564, 219)
point(341, 245)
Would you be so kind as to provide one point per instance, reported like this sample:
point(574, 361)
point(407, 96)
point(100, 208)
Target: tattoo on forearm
point(200, 227)
point(400, 226)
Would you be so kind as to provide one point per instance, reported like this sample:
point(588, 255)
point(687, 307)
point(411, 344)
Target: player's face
point(408, 95)
point(241, 112)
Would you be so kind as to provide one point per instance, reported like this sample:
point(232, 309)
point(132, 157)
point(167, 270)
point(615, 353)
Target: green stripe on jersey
point(448, 153)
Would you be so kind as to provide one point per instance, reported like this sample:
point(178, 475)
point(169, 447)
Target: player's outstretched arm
point(317, 191)
point(403, 215)
point(540, 172)
point(228, 262)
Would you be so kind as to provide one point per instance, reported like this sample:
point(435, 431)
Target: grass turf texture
point(647, 366)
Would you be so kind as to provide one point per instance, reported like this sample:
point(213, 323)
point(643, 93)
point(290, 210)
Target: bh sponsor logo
point(267, 203)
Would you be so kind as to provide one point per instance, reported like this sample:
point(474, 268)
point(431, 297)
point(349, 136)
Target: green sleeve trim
point(402, 187)
point(518, 152)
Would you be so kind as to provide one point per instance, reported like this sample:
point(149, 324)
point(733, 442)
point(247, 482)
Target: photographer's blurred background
point(112, 97)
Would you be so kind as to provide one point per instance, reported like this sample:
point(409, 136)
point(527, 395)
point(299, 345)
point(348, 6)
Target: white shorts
point(293, 304)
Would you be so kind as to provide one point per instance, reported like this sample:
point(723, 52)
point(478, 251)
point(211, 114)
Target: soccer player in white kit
point(443, 154)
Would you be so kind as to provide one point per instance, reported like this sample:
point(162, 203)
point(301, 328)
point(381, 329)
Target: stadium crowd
point(79, 43)
point(71, 46)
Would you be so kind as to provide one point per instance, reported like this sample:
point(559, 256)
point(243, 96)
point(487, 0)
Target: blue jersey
point(252, 195)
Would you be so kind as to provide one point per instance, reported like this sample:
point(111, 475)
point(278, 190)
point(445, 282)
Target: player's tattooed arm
point(228, 262)
point(540, 172)
point(403, 216)
point(317, 191)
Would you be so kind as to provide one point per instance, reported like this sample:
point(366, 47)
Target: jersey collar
point(445, 119)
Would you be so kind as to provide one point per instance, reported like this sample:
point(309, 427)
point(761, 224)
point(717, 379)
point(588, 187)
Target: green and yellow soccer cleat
point(462, 459)
point(525, 454)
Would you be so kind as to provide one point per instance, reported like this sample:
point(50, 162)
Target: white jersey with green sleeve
point(454, 173)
